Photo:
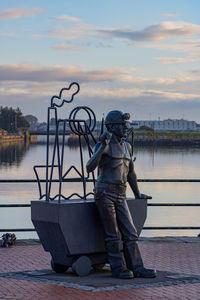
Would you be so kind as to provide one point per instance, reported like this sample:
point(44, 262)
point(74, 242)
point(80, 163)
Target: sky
point(140, 57)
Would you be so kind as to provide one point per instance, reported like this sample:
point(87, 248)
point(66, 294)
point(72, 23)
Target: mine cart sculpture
point(68, 225)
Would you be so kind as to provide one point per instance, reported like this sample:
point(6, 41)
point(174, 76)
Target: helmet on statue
point(116, 117)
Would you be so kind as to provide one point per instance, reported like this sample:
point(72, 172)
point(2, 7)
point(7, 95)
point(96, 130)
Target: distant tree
point(12, 119)
point(21, 121)
point(32, 120)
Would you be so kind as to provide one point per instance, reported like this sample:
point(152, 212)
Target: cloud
point(7, 34)
point(99, 44)
point(162, 96)
point(120, 93)
point(172, 95)
point(67, 18)
point(183, 45)
point(130, 79)
point(69, 46)
point(129, 93)
point(123, 76)
point(39, 89)
point(14, 13)
point(170, 15)
point(139, 107)
point(157, 32)
point(35, 81)
point(81, 46)
point(77, 31)
point(186, 45)
point(174, 60)
point(36, 73)
point(14, 91)
point(196, 71)
point(177, 79)
point(154, 35)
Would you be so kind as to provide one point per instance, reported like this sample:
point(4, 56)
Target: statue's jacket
point(113, 169)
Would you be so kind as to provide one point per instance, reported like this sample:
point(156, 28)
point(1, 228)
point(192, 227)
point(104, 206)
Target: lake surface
point(17, 161)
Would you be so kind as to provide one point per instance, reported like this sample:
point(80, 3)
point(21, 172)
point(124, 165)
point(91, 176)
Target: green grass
point(184, 135)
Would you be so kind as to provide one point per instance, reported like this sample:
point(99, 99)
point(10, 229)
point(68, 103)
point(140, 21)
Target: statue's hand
point(105, 138)
point(143, 196)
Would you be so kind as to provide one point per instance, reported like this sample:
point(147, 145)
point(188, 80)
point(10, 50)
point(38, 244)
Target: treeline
point(12, 120)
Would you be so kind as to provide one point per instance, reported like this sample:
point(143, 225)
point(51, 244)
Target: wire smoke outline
point(60, 95)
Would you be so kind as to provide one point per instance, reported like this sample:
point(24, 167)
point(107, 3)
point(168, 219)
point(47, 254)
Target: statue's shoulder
point(98, 144)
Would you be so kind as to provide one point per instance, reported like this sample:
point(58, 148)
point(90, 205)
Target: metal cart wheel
point(82, 266)
point(58, 268)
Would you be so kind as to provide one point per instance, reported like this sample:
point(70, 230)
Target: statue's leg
point(129, 236)
point(106, 208)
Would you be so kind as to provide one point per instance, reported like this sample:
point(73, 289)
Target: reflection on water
point(17, 161)
point(11, 154)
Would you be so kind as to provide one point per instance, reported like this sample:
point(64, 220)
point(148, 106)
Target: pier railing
point(3, 181)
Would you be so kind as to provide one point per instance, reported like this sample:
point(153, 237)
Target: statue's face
point(120, 130)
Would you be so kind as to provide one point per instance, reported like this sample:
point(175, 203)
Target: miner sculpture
point(113, 157)
point(81, 245)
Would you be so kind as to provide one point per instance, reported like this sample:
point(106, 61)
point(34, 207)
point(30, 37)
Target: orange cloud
point(36, 73)
point(14, 13)
point(174, 60)
point(68, 46)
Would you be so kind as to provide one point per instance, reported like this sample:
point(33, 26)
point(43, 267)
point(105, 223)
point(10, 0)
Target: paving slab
point(25, 274)
point(101, 280)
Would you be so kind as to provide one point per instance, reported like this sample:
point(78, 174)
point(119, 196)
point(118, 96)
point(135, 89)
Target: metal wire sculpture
point(84, 130)
point(81, 128)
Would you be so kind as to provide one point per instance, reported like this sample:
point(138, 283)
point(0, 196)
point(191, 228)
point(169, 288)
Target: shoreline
point(16, 138)
point(144, 141)
point(11, 138)
point(73, 141)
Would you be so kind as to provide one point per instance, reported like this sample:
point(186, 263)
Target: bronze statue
point(113, 156)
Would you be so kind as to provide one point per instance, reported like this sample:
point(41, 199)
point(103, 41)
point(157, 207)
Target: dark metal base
point(71, 231)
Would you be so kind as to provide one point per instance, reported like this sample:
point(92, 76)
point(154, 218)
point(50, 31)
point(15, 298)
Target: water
point(17, 161)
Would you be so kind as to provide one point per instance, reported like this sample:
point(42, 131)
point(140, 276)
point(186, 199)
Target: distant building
point(169, 125)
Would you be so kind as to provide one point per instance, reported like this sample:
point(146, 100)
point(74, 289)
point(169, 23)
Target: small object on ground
point(8, 239)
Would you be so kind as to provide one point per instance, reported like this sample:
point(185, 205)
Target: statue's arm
point(132, 180)
point(100, 149)
point(95, 158)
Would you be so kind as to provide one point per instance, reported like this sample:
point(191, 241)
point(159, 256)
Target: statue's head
point(117, 122)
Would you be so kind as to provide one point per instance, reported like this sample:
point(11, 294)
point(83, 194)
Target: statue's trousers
point(115, 217)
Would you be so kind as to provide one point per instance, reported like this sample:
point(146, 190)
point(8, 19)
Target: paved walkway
point(176, 255)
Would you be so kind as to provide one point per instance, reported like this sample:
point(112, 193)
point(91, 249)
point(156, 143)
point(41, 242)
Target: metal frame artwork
point(81, 128)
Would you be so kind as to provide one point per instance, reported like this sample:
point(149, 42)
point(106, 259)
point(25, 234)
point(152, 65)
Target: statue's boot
point(134, 261)
point(116, 261)
point(124, 274)
point(145, 273)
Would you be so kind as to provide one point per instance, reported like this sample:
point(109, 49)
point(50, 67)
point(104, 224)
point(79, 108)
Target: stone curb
point(165, 239)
